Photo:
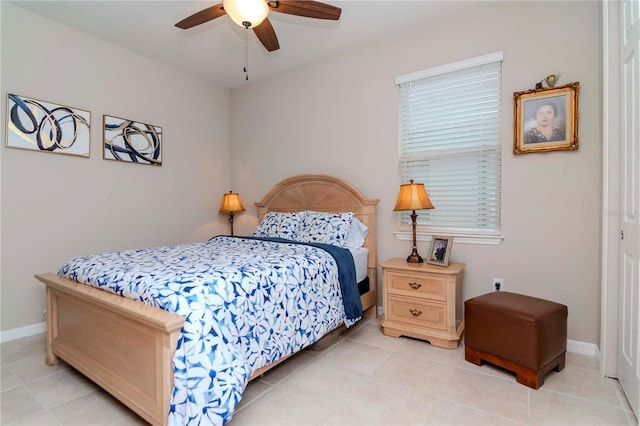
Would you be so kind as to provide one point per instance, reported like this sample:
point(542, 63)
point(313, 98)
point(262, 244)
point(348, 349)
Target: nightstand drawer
point(417, 285)
point(419, 313)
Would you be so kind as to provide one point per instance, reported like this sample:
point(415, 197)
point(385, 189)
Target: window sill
point(457, 238)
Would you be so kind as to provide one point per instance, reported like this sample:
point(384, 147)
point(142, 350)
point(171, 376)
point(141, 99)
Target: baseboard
point(31, 330)
point(582, 348)
point(20, 332)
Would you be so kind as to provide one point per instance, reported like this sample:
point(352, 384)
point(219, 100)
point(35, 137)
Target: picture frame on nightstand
point(440, 250)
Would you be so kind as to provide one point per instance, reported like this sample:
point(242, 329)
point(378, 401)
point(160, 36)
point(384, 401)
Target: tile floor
point(365, 378)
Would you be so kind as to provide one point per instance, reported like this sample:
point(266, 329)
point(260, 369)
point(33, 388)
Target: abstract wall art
point(131, 141)
point(43, 126)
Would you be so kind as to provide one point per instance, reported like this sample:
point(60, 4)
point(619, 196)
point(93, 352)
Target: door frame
point(611, 158)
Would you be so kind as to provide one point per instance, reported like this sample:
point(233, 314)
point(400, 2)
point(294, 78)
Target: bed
point(127, 347)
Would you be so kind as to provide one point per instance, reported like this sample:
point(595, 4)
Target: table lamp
point(231, 203)
point(413, 197)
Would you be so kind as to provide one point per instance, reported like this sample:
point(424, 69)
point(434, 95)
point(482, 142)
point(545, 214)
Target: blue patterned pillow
point(279, 225)
point(327, 228)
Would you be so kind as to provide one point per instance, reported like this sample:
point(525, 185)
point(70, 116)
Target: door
point(629, 321)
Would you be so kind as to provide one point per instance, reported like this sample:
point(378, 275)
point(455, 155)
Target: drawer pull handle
point(415, 312)
point(415, 286)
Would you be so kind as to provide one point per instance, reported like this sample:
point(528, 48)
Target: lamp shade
point(251, 11)
point(231, 203)
point(413, 196)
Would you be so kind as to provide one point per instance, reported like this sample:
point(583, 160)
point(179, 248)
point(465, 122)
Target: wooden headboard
point(330, 194)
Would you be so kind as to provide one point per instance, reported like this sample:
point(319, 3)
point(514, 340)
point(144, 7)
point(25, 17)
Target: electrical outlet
point(498, 284)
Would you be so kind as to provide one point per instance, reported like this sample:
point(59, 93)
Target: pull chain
point(246, 49)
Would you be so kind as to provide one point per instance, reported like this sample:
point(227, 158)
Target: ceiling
point(215, 50)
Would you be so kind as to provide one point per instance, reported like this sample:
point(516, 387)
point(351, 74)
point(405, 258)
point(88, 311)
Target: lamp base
point(231, 221)
point(414, 257)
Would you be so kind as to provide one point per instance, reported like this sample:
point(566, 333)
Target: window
point(450, 141)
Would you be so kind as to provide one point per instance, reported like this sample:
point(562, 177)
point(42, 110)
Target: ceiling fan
point(253, 14)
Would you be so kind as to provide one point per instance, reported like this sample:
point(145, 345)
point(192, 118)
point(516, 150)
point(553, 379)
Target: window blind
point(450, 141)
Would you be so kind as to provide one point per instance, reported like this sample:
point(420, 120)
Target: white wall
point(55, 207)
point(337, 117)
point(340, 117)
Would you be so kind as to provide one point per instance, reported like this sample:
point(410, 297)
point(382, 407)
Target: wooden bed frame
point(127, 347)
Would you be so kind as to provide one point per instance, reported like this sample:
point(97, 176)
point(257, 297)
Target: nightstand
point(423, 301)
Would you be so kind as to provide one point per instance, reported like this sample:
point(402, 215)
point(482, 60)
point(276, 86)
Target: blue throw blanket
point(346, 273)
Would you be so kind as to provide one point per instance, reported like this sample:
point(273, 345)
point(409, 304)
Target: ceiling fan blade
point(306, 8)
point(267, 35)
point(201, 17)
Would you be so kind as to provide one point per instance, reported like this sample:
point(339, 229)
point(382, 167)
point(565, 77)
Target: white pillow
point(326, 228)
point(280, 225)
point(357, 233)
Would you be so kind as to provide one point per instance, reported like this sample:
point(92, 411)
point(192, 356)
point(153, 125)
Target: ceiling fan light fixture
point(242, 12)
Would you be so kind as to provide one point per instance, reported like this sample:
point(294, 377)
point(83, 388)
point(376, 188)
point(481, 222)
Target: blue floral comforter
point(246, 302)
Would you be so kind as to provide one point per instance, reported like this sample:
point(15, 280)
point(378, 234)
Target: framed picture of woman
point(546, 119)
point(440, 250)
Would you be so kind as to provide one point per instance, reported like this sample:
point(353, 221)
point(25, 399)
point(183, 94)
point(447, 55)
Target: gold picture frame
point(440, 250)
point(546, 119)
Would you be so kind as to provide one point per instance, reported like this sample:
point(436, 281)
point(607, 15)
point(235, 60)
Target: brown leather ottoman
point(522, 334)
